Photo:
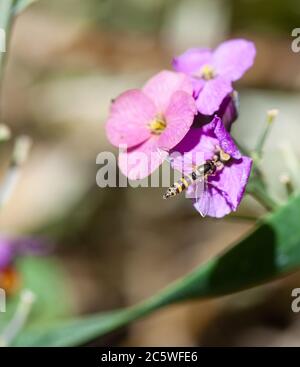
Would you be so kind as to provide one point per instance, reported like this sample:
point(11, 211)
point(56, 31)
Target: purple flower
point(13, 247)
point(158, 116)
point(213, 72)
point(6, 253)
point(228, 112)
point(226, 187)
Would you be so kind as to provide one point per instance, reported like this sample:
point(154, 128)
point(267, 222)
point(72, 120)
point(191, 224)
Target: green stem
point(271, 115)
point(262, 140)
point(256, 188)
point(263, 197)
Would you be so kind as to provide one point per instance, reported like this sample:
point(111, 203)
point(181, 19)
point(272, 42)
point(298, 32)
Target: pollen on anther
point(157, 125)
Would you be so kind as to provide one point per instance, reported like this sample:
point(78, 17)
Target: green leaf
point(45, 277)
point(271, 250)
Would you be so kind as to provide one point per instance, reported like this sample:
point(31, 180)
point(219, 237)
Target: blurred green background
point(68, 59)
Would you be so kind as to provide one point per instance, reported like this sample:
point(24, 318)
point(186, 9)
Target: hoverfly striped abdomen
point(184, 182)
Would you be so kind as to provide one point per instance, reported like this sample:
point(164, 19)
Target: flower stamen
point(207, 72)
point(221, 155)
point(157, 125)
point(224, 157)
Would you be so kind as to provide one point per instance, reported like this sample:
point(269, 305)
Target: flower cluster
point(187, 110)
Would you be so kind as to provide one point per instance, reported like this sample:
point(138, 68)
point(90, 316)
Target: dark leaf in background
point(270, 251)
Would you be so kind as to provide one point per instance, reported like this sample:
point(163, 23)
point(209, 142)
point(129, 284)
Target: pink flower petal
point(214, 204)
point(226, 188)
point(205, 139)
point(232, 58)
point(229, 110)
point(128, 118)
point(163, 85)
point(179, 117)
point(225, 139)
point(212, 95)
point(197, 140)
point(233, 179)
point(139, 162)
point(198, 85)
point(192, 60)
point(198, 145)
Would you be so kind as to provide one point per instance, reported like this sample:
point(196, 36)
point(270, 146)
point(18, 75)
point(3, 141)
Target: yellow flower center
point(207, 72)
point(157, 125)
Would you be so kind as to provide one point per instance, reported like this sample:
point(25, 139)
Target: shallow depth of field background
point(68, 59)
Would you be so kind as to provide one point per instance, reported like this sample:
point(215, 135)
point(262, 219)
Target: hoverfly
point(197, 178)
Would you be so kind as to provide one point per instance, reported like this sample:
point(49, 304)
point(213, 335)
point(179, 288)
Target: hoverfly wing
point(196, 190)
point(202, 198)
